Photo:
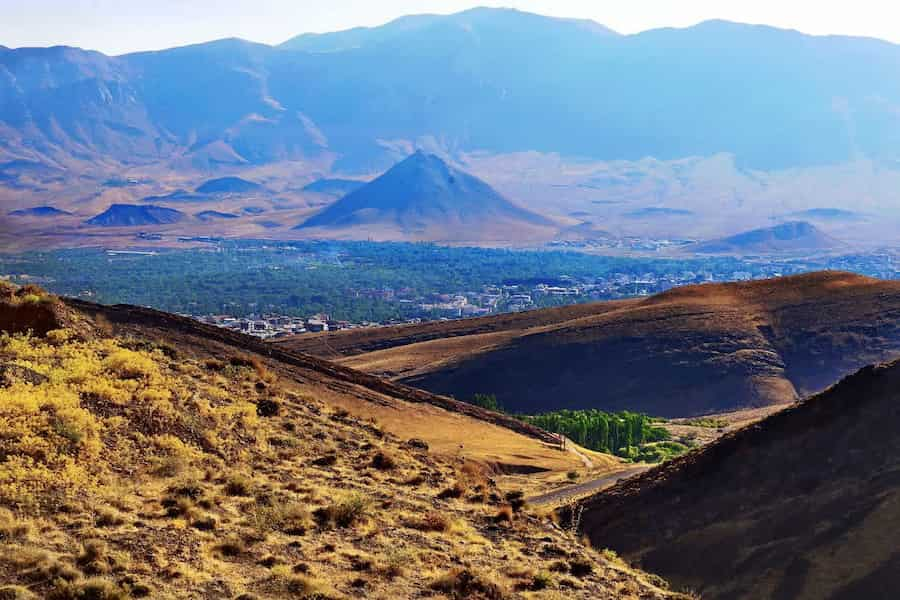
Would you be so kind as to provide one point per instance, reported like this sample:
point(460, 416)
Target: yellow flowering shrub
point(47, 440)
point(129, 364)
point(105, 408)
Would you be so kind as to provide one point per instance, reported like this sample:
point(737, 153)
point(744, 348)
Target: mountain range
point(648, 135)
point(492, 80)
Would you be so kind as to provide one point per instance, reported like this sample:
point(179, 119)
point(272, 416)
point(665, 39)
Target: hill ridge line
point(138, 314)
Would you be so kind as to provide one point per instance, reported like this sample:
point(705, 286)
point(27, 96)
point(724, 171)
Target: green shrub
point(488, 401)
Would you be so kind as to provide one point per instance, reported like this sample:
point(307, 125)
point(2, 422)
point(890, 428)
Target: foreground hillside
point(802, 505)
point(692, 350)
point(136, 465)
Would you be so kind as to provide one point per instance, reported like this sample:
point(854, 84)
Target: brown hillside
point(449, 426)
point(692, 350)
point(802, 505)
point(144, 456)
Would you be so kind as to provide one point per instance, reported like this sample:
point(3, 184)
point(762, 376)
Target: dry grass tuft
point(383, 461)
point(96, 559)
point(394, 562)
point(16, 592)
point(88, 589)
point(431, 521)
point(580, 567)
point(38, 567)
point(454, 491)
point(298, 585)
point(278, 514)
point(238, 484)
point(11, 528)
point(108, 517)
point(465, 583)
point(344, 512)
point(504, 515)
point(231, 547)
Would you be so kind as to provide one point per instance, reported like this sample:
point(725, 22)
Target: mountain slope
point(692, 350)
point(490, 80)
point(212, 215)
point(423, 194)
point(143, 458)
point(334, 187)
point(792, 236)
point(801, 505)
point(129, 215)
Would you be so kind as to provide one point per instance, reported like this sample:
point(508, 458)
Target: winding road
point(578, 490)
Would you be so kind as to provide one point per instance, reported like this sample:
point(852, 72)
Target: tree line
point(620, 433)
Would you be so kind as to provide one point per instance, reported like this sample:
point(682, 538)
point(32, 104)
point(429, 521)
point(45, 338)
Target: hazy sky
point(118, 26)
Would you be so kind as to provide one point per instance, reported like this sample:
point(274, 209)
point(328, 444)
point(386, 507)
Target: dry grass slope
point(135, 467)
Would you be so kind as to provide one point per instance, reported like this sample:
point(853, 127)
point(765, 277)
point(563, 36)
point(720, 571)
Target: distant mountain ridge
point(489, 80)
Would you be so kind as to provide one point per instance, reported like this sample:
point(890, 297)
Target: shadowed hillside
point(334, 187)
point(691, 350)
point(803, 505)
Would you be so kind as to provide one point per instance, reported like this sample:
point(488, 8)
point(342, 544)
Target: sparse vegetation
point(289, 517)
point(344, 512)
point(711, 422)
point(465, 583)
point(383, 461)
point(660, 451)
point(128, 474)
point(431, 521)
point(488, 401)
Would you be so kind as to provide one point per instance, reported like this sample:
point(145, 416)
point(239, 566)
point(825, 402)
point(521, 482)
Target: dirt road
point(578, 490)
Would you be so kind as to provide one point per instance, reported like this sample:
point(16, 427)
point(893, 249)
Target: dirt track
point(578, 490)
